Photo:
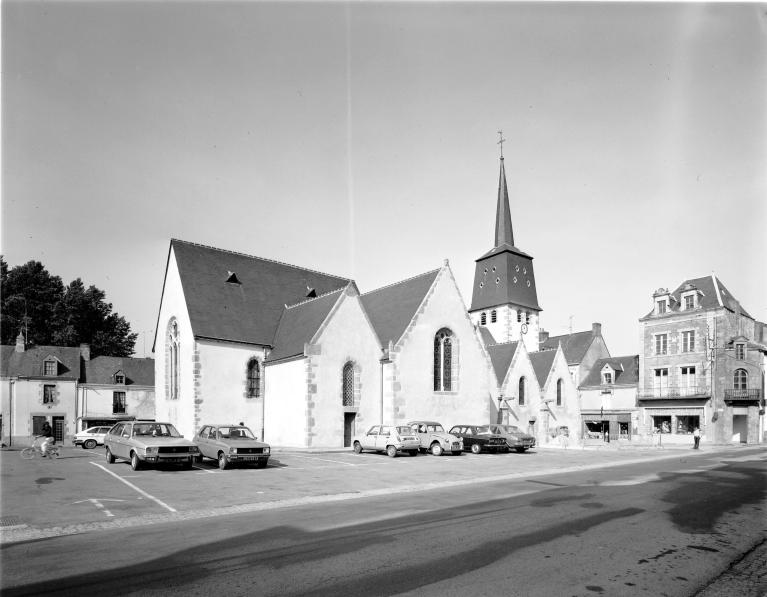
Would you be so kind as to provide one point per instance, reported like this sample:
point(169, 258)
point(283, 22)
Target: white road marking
point(132, 486)
point(632, 481)
point(99, 505)
point(324, 459)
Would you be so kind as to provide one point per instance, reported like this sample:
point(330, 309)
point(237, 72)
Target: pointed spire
point(503, 232)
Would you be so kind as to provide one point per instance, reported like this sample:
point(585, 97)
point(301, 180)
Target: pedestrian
point(696, 437)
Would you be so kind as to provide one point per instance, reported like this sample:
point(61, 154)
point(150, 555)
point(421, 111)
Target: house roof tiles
point(626, 371)
point(501, 356)
point(573, 345)
point(542, 362)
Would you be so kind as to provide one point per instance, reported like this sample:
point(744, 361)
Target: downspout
point(12, 392)
point(383, 360)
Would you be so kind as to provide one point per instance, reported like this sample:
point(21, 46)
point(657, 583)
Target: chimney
point(20, 343)
point(85, 352)
point(543, 335)
point(596, 329)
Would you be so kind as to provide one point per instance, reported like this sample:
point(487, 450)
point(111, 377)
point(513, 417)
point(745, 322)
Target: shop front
point(606, 426)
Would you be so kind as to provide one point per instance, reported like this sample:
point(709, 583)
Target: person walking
point(696, 437)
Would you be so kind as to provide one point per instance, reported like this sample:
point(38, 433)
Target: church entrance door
point(348, 428)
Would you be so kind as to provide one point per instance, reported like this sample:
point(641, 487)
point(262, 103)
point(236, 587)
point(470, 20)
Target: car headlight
point(233, 450)
point(194, 450)
point(267, 450)
point(151, 451)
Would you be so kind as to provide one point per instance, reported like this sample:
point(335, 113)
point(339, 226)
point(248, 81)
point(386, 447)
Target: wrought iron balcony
point(674, 392)
point(751, 395)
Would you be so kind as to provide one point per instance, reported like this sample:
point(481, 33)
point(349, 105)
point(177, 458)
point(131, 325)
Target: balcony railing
point(674, 392)
point(734, 395)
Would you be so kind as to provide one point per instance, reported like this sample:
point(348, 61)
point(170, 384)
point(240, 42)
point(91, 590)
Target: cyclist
point(47, 439)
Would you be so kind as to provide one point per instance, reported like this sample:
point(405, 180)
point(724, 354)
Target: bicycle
point(36, 450)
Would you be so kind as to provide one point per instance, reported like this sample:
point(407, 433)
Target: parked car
point(479, 437)
point(91, 437)
point(389, 439)
point(435, 439)
point(516, 439)
point(148, 442)
point(231, 444)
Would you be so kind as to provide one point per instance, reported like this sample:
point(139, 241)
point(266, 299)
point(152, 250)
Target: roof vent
point(310, 292)
point(232, 278)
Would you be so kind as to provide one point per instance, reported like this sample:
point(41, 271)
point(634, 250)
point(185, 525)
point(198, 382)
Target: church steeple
point(504, 235)
point(504, 298)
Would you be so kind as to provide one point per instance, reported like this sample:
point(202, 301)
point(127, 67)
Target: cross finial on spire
point(501, 141)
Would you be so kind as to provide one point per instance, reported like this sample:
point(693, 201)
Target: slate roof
point(248, 311)
point(501, 356)
point(391, 308)
point(30, 362)
point(626, 371)
point(573, 345)
point(299, 323)
point(542, 362)
point(101, 370)
point(486, 335)
point(708, 297)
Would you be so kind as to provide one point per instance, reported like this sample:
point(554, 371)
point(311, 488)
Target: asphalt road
point(368, 525)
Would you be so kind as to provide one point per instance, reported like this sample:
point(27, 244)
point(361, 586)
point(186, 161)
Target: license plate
point(249, 458)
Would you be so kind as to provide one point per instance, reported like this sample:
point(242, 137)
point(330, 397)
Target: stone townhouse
point(63, 386)
point(608, 400)
point(701, 365)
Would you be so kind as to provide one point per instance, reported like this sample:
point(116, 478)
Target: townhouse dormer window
point(119, 378)
point(607, 378)
point(661, 306)
point(689, 302)
point(50, 367)
point(740, 351)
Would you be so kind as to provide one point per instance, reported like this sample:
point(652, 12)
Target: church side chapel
point(305, 360)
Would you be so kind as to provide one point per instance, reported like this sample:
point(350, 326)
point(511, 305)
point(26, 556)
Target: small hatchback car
point(148, 442)
point(231, 444)
point(435, 439)
point(389, 439)
point(91, 437)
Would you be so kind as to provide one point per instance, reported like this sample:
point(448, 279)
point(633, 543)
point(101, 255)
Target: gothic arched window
point(443, 360)
point(254, 378)
point(559, 392)
point(172, 350)
point(740, 380)
point(348, 385)
point(522, 384)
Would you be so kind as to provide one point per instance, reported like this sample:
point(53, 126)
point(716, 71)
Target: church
point(306, 360)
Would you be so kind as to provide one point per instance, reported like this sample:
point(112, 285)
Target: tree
point(46, 312)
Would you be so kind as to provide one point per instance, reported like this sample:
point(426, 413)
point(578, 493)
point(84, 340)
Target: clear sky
point(359, 139)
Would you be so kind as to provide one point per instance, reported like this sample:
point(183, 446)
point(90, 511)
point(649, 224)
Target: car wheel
point(89, 444)
point(357, 448)
point(391, 451)
point(110, 456)
point(413, 452)
point(476, 448)
point(436, 449)
point(223, 461)
point(520, 450)
point(135, 463)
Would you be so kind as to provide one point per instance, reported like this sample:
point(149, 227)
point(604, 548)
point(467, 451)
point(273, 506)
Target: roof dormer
point(51, 366)
point(688, 298)
point(608, 375)
point(119, 378)
point(662, 298)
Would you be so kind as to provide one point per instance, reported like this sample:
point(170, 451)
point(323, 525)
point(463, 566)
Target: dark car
point(516, 439)
point(479, 438)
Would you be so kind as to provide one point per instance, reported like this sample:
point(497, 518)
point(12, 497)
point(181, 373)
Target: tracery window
point(173, 359)
point(443, 360)
point(348, 384)
point(254, 378)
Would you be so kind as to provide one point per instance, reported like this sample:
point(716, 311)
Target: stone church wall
point(285, 410)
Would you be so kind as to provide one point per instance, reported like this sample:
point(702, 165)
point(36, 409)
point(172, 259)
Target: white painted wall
point(568, 414)
point(20, 400)
point(95, 401)
point(285, 406)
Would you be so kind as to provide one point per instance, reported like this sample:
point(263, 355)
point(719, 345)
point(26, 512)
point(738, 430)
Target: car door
point(383, 438)
point(201, 439)
point(117, 443)
point(370, 438)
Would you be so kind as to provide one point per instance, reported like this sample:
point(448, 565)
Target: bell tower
point(504, 297)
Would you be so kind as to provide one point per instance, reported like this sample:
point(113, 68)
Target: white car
point(91, 437)
point(389, 439)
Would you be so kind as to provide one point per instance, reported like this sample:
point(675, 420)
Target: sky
point(360, 140)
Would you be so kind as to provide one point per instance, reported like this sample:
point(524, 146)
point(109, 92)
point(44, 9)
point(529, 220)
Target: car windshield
point(236, 433)
point(155, 430)
point(404, 430)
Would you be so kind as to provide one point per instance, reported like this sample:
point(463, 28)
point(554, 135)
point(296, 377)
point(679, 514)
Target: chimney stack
point(543, 335)
point(20, 343)
point(596, 329)
point(85, 352)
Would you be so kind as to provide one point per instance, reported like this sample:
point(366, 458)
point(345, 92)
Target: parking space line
point(132, 486)
point(323, 459)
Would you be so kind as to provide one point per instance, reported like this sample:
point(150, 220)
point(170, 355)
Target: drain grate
point(10, 521)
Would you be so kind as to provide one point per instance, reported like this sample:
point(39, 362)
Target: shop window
point(661, 423)
point(685, 425)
